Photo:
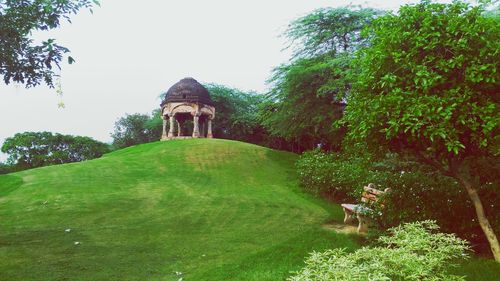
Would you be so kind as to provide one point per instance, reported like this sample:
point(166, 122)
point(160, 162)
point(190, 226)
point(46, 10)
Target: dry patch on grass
point(203, 159)
point(340, 228)
point(27, 179)
point(150, 194)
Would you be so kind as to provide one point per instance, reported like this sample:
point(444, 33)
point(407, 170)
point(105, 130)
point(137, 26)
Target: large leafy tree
point(307, 94)
point(305, 100)
point(36, 149)
point(429, 87)
point(137, 128)
point(22, 59)
point(237, 114)
point(329, 31)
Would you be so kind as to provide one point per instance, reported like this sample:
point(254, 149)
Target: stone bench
point(370, 197)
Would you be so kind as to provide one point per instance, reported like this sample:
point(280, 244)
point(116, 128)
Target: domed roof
point(188, 90)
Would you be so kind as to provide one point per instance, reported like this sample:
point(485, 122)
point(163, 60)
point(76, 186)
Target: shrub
point(5, 169)
point(335, 174)
point(413, 251)
point(417, 192)
point(421, 193)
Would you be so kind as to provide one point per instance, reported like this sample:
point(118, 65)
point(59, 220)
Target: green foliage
point(236, 115)
point(5, 168)
point(428, 86)
point(21, 59)
point(154, 124)
point(334, 174)
point(136, 129)
point(305, 100)
point(36, 149)
point(307, 94)
point(412, 251)
point(417, 192)
point(429, 83)
point(329, 31)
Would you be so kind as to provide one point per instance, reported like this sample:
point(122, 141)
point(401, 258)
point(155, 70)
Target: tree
point(136, 129)
point(154, 124)
point(307, 94)
point(36, 149)
point(329, 31)
point(306, 99)
point(21, 59)
point(428, 87)
point(237, 114)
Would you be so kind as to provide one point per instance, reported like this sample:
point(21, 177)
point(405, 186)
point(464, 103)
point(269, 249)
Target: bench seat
point(352, 211)
point(355, 208)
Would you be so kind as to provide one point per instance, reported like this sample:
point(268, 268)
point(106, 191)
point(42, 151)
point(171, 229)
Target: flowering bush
point(413, 251)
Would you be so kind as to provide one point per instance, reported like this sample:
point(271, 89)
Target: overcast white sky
point(129, 51)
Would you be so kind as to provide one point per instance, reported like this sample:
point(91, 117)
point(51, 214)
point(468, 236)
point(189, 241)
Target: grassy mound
point(211, 209)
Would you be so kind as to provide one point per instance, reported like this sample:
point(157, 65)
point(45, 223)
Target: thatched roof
point(188, 90)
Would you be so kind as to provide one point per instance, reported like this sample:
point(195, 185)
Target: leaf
point(71, 60)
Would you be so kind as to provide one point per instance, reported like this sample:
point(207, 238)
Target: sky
point(127, 52)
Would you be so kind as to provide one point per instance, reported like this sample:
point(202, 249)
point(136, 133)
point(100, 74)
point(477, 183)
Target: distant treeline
point(37, 149)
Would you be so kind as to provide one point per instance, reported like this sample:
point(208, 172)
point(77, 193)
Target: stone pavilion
point(187, 100)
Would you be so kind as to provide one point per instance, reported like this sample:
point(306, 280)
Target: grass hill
point(211, 209)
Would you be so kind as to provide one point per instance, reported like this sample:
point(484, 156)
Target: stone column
point(179, 130)
point(164, 134)
point(202, 129)
point(209, 131)
point(196, 127)
point(172, 128)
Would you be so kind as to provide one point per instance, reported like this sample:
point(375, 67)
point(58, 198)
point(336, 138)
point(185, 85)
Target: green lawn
point(211, 209)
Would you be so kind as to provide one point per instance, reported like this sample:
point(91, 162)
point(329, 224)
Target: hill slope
point(211, 209)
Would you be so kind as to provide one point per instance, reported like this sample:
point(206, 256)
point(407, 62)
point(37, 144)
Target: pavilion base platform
point(183, 138)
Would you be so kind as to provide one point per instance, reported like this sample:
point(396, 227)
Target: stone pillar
point(164, 134)
point(202, 129)
point(172, 128)
point(196, 127)
point(209, 131)
point(179, 130)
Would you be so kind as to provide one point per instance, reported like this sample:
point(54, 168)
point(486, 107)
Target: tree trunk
point(483, 220)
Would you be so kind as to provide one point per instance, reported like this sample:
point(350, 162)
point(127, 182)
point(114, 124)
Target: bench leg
point(348, 216)
point(363, 224)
